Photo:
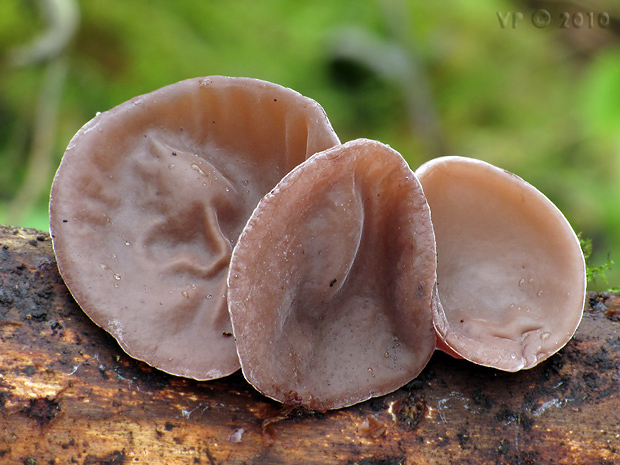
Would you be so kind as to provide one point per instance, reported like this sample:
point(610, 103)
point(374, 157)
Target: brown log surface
point(69, 394)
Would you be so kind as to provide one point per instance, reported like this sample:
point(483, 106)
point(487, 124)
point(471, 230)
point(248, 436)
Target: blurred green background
point(429, 80)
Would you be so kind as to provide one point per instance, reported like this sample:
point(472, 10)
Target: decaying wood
point(68, 394)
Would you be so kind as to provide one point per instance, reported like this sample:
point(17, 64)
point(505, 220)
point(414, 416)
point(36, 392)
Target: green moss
point(594, 273)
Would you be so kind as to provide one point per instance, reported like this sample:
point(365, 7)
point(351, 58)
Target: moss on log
point(69, 394)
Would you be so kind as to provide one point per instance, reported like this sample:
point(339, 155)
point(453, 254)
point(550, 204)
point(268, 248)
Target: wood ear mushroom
point(150, 198)
point(331, 281)
point(511, 274)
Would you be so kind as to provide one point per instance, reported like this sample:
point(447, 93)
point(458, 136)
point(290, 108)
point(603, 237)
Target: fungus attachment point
point(331, 281)
point(510, 271)
point(150, 198)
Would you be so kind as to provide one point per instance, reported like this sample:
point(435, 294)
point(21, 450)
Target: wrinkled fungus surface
point(150, 199)
point(510, 271)
point(331, 281)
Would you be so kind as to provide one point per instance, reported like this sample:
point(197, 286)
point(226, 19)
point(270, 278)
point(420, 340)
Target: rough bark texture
point(68, 394)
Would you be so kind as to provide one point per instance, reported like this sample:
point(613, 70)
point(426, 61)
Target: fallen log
point(69, 394)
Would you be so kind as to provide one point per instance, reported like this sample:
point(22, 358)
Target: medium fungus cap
point(331, 281)
point(150, 198)
point(510, 270)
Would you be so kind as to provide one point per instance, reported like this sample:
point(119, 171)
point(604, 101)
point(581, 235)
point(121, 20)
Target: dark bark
point(69, 394)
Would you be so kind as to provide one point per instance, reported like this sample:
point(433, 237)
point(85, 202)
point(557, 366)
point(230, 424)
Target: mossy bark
point(69, 394)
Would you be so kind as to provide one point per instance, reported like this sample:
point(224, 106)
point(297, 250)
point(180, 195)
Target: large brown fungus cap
point(331, 281)
point(152, 195)
point(510, 271)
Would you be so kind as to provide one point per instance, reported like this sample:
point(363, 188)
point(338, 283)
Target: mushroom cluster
point(218, 223)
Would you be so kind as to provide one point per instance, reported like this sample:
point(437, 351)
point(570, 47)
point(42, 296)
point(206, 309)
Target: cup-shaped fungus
point(150, 198)
point(331, 281)
point(510, 271)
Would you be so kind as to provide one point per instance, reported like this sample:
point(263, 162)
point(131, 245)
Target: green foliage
point(601, 97)
point(542, 103)
point(595, 272)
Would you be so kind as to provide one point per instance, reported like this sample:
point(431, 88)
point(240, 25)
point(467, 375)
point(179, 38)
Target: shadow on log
point(69, 394)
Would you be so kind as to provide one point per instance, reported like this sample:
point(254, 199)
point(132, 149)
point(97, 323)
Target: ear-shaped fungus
point(152, 195)
point(331, 281)
point(510, 271)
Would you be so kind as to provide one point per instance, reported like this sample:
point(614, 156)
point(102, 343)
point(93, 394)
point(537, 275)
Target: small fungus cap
point(150, 198)
point(331, 281)
point(510, 271)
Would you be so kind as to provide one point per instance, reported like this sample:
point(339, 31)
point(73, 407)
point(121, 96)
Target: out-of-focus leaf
point(601, 97)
